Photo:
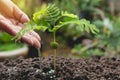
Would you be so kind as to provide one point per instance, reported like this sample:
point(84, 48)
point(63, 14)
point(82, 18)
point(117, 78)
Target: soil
point(95, 68)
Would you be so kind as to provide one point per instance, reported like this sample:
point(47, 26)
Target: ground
point(95, 68)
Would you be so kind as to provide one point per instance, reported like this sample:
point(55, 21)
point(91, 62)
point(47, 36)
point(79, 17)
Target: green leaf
point(42, 28)
point(28, 27)
point(52, 18)
point(69, 15)
point(81, 24)
point(89, 27)
point(93, 29)
point(38, 16)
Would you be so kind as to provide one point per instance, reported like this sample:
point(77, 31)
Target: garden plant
point(50, 18)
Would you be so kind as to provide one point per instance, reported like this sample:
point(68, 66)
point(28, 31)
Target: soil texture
point(95, 68)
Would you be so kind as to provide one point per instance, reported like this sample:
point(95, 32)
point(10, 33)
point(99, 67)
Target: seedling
point(51, 18)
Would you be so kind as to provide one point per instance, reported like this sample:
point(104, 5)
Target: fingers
point(31, 33)
point(19, 15)
point(33, 36)
point(10, 10)
point(30, 38)
point(13, 25)
point(4, 25)
point(36, 35)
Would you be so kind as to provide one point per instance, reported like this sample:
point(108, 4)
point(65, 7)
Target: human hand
point(12, 20)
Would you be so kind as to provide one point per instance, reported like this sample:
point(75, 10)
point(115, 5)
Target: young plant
point(51, 18)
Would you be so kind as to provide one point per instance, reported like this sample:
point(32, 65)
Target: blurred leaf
point(10, 46)
point(77, 48)
point(5, 37)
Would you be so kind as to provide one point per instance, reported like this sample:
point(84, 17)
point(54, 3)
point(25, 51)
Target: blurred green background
point(105, 14)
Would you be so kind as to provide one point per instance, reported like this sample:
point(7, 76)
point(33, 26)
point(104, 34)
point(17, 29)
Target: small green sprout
point(51, 18)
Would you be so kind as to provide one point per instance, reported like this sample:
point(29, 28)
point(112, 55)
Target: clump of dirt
point(95, 68)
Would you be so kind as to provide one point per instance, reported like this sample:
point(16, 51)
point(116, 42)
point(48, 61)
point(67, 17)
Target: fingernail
point(28, 40)
point(38, 46)
point(24, 18)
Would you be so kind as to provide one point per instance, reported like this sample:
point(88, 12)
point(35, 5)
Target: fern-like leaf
point(52, 18)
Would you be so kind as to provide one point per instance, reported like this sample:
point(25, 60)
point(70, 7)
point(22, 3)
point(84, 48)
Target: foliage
point(111, 37)
point(6, 44)
point(88, 4)
point(4, 37)
point(51, 18)
point(67, 5)
point(77, 7)
point(103, 16)
point(85, 51)
point(10, 46)
point(108, 39)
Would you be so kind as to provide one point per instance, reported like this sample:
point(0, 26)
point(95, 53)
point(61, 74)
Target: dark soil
point(96, 68)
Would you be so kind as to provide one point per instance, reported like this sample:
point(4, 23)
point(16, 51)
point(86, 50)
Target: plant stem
point(55, 51)
point(40, 57)
point(54, 35)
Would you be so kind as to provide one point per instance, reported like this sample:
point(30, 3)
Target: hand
point(12, 20)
